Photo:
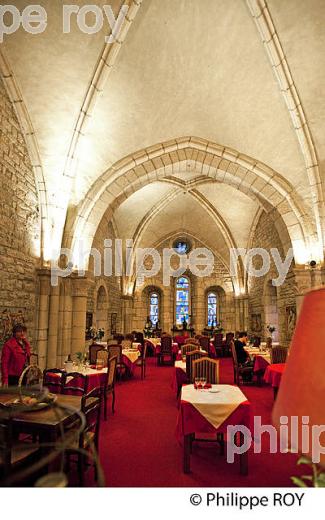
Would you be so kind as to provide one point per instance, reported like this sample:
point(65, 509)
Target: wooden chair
point(55, 384)
point(126, 344)
point(14, 454)
point(279, 355)
point(141, 361)
point(166, 350)
point(192, 341)
point(188, 347)
point(218, 345)
point(33, 359)
point(130, 337)
point(139, 337)
point(239, 370)
point(118, 338)
point(75, 384)
point(89, 438)
point(190, 358)
point(116, 350)
point(102, 355)
point(109, 385)
point(208, 368)
point(93, 349)
point(204, 341)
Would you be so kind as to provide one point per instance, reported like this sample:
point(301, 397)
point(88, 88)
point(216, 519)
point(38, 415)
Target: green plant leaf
point(307, 477)
point(298, 482)
point(304, 460)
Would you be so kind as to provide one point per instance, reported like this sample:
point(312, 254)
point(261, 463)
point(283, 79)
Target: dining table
point(47, 423)
point(211, 411)
point(179, 376)
point(95, 377)
point(129, 358)
point(273, 375)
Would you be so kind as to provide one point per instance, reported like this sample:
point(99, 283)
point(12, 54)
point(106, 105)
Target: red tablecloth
point(94, 379)
point(191, 421)
point(260, 364)
point(128, 363)
point(273, 374)
point(179, 379)
point(181, 339)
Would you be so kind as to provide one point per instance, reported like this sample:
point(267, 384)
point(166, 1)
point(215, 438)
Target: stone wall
point(111, 284)
point(219, 281)
point(269, 302)
point(19, 221)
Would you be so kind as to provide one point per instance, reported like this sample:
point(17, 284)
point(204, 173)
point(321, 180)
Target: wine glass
point(196, 382)
point(203, 381)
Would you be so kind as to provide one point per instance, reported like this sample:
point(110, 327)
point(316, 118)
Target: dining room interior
point(162, 228)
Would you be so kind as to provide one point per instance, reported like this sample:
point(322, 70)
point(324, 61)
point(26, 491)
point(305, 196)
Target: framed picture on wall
point(256, 323)
point(113, 322)
point(291, 319)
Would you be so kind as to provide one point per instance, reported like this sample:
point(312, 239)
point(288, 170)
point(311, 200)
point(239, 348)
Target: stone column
point(80, 286)
point(52, 346)
point(65, 320)
point(43, 316)
point(303, 285)
point(127, 313)
point(200, 318)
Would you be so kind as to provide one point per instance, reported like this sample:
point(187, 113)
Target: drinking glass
point(203, 381)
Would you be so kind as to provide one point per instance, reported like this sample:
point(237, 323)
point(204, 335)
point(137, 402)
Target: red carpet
point(138, 447)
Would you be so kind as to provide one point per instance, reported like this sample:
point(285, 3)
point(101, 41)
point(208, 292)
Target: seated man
point(243, 357)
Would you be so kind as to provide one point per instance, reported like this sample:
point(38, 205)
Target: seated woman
point(15, 356)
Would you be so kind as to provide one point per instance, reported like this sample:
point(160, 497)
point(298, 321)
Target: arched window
point(212, 309)
point(182, 300)
point(154, 307)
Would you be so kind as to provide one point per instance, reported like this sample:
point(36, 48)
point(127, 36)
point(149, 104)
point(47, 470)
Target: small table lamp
point(302, 390)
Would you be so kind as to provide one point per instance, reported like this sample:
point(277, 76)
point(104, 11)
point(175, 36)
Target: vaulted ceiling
point(182, 68)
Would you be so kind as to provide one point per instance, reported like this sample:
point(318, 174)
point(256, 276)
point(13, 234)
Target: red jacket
point(13, 359)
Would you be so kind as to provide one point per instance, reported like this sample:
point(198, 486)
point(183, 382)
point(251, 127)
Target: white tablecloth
point(215, 404)
point(132, 355)
point(181, 365)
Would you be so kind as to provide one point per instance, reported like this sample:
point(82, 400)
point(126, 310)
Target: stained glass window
point(212, 309)
point(154, 308)
point(181, 247)
point(182, 300)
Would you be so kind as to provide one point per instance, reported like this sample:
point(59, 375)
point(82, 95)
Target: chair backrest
point(102, 355)
point(75, 384)
point(33, 359)
point(130, 337)
point(111, 372)
point(90, 407)
point(54, 379)
point(144, 351)
point(208, 368)
point(190, 358)
point(218, 339)
point(166, 344)
point(234, 353)
point(126, 344)
point(188, 347)
point(279, 354)
point(229, 337)
point(115, 350)
point(193, 341)
point(31, 376)
point(93, 349)
point(118, 338)
point(205, 342)
point(5, 445)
